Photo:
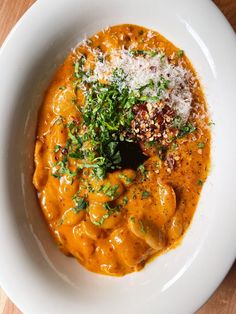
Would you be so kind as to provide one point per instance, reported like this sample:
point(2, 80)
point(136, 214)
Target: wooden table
point(223, 300)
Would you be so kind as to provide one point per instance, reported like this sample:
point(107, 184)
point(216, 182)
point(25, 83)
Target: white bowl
point(39, 278)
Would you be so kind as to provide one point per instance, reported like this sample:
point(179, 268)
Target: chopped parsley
point(177, 122)
point(132, 219)
point(174, 146)
point(211, 123)
point(200, 182)
point(127, 179)
point(186, 129)
point(80, 204)
point(105, 188)
point(141, 225)
point(143, 171)
point(162, 85)
point(62, 169)
point(62, 87)
point(57, 148)
point(56, 175)
point(201, 145)
point(145, 194)
point(109, 190)
point(180, 53)
point(107, 112)
point(110, 211)
point(162, 56)
point(102, 220)
point(79, 73)
point(125, 200)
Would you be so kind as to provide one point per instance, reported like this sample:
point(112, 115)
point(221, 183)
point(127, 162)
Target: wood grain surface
point(223, 300)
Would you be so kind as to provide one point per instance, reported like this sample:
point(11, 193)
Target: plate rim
point(10, 37)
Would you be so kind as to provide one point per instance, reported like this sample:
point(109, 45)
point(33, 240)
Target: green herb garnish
point(211, 123)
point(132, 219)
point(177, 122)
point(125, 200)
point(180, 53)
point(57, 148)
point(200, 182)
point(186, 129)
point(107, 111)
point(143, 171)
point(80, 204)
point(79, 73)
point(62, 87)
point(201, 145)
point(145, 194)
point(126, 178)
point(110, 211)
point(142, 228)
point(56, 175)
point(109, 190)
point(162, 56)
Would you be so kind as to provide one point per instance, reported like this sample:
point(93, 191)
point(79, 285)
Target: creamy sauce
point(155, 204)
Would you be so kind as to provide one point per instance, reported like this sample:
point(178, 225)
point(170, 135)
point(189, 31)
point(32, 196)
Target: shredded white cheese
point(141, 69)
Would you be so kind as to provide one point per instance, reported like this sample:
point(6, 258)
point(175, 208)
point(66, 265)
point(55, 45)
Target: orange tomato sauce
point(157, 202)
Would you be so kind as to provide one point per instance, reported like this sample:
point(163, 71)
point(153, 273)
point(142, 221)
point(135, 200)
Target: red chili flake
point(153, 122)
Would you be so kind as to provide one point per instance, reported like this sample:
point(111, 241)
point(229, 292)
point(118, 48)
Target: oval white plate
point(37, 277)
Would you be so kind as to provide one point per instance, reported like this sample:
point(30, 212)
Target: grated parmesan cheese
point(140, 70)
